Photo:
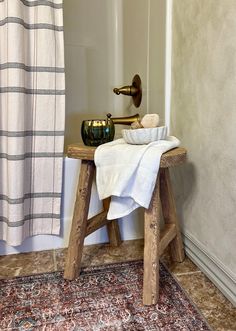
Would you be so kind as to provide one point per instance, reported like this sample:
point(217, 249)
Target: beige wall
point(204, 118)
point(144, 52)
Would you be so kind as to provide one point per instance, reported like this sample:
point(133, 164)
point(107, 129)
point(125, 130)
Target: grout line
point(54, 259)
point(187, 273)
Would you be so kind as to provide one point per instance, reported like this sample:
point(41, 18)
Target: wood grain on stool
point(79, 221)
point(96, 222)
point(171, 158)
point(81, 226)
point(170, 214)
point(155, 240)
point(113, 230)
point(152, 248)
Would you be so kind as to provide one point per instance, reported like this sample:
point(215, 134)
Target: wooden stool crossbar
point(155, 240)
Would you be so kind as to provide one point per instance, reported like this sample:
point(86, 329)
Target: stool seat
point(171, 158)
point(155, 239)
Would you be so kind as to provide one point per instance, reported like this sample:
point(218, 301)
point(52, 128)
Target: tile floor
point(218, 311)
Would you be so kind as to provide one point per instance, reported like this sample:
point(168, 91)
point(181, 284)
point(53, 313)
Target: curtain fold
point(32, 111)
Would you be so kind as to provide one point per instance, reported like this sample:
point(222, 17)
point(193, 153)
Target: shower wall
point(88, 47)
point(115, 40)
point(203, 116)
point(144, 51)
point(106, 44)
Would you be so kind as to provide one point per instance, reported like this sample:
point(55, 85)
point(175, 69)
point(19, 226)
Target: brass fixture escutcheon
point(134, 90)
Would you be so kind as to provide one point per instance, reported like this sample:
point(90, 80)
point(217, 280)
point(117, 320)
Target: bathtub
point(131, 227)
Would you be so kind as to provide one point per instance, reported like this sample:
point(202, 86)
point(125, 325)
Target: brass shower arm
point(134, 90)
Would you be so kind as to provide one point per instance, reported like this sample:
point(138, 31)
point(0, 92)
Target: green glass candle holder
point(97, 132)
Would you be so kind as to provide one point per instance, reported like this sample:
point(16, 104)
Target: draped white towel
point(128, 173)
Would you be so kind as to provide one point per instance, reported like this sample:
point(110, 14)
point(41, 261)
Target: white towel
point(127, 173)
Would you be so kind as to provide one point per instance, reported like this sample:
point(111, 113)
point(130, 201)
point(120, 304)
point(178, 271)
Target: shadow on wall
point(183, 177)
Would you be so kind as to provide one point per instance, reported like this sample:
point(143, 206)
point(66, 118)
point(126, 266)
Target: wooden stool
point(155, 240)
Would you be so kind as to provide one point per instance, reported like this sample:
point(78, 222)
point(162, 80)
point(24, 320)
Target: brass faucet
point(134, 90)
point(126, 90)
point(124, 120)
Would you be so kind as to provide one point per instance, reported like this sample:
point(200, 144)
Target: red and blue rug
point(107, 298)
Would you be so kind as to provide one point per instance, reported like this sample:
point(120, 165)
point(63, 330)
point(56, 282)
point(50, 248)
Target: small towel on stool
point(127, 173)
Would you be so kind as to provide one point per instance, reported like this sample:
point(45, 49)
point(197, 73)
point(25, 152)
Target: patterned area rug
point(105, 298)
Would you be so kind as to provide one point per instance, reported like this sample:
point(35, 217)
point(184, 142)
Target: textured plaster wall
point(204, 118)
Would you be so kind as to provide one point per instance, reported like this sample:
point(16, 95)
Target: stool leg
point(170, 215)
point(79, 221)
point(112, 227)
point(151, 249)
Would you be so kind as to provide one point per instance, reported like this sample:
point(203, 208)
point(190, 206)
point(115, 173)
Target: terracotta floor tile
point(26, 264)
point(186, 267)
point(218, 311)
point(104, 254)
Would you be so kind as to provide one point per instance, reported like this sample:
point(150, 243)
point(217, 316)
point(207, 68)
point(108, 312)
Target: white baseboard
point(211, 267)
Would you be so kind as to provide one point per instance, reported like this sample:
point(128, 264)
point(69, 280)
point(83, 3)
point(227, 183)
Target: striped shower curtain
point(32, 114)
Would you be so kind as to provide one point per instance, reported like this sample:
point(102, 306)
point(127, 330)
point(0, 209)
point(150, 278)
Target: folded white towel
point(128, 173)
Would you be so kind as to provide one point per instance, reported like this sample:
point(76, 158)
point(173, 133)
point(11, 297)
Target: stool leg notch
point(152, 249)
point(170, 215)
point(79, 221)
